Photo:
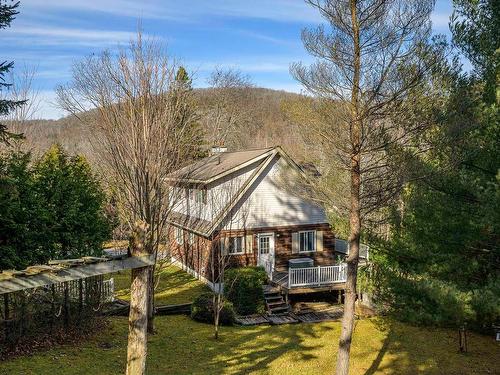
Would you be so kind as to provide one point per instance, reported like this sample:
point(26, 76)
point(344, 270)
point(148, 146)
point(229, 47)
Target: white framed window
point(179, 237)
point(191, 238)
point(235, 245)
point(200, 196)
point(307, 241)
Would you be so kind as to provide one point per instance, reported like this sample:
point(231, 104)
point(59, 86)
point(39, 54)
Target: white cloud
point(48, 108)
point(193, 10)
point(62, 35)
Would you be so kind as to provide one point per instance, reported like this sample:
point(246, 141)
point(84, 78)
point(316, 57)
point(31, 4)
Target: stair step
point(279, 309)
point(271, 292)
point(268, 298)
point(275, 304)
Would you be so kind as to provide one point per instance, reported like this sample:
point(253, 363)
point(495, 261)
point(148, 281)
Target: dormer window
point(200, 196)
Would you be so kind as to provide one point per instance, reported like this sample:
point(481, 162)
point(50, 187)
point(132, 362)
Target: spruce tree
point(8, 10)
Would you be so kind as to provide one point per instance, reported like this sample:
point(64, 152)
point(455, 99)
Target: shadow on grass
point(239, 350)
point(174, 286)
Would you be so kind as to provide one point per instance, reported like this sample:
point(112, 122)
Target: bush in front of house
point(202, 310)
point(243, 287)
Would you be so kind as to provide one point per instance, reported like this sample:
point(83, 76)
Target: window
point(191, 238)
point(235, 245)
point(179, 238)
point(264, 244)
point(201, 196)
point(307, 241)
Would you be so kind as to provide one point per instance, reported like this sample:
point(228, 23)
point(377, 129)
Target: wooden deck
point(280, 280)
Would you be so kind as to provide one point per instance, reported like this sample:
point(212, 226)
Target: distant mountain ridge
point(267, 125)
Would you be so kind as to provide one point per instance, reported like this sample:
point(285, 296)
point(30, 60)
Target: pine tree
point(194, 147)
point(8, 10)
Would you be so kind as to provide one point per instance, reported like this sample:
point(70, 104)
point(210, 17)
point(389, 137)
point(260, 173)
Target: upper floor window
point(307, 241)
point(179, 236)
point(201, 196)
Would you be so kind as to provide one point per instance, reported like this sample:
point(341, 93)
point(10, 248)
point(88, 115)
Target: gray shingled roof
point(211, 167)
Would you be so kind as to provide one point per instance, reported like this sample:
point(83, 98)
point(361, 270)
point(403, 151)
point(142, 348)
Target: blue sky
point(259, 37)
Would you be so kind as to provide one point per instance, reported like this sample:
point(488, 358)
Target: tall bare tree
point(141, 120)
point(22, 90)
point(233, 241)
point(371, 56)
point(225, 118)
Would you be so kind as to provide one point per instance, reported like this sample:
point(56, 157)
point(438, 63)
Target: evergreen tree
point(442, 264)
point(50, 209)
point(8, 10)
point(194, 145)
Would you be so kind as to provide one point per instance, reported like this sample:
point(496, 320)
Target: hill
point(264, 124)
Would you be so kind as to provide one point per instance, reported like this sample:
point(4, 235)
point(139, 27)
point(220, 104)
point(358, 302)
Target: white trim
point(179, 236)
point(216, 287)
point(242, 249)
point(272, 251)
point(191, 238)
point(314, 242)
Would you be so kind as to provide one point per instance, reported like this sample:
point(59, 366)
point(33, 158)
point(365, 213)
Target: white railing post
point(319, 275)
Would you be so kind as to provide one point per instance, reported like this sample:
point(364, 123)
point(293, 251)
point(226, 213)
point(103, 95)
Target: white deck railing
point(314, 276)
point(108, 290)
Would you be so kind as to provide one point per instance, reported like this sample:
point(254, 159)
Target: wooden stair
point(274, 301)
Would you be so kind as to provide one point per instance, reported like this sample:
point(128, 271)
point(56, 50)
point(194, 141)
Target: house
point(239, 206)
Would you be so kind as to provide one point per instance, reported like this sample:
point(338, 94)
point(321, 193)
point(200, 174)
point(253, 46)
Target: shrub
point(430, 302)
point(485, 303)
point(243, 287)
point(202, 310)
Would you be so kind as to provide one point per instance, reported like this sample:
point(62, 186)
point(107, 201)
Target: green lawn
point(182, 346)
point(175, 286)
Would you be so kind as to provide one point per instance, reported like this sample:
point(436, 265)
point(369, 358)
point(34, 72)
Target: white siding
point(269, 205)
point(218, 197)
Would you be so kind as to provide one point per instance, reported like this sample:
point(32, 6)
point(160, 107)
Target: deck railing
point(269, 267)
point(313, 276)
point(108, 290)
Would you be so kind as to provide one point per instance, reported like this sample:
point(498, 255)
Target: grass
point(181, 346)
point(174, 287)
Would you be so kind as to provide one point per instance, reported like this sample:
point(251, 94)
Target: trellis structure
point(42, 298)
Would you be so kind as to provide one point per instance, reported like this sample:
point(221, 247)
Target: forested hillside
point(261, 123)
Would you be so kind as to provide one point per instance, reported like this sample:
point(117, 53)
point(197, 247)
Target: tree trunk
point(355, 209)
point(352, 274)
point(138, 315)
point(217, 309)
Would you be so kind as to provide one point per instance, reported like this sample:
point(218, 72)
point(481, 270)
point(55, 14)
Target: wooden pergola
point(60, 271)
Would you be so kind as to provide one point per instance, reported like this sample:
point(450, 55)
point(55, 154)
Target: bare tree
point(22, 90)
point(369, 62)
point(141, 122)
point(233, 241)
point(226, 118)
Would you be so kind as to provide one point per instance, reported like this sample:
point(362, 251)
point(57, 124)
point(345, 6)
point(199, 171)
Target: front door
point(266, 251)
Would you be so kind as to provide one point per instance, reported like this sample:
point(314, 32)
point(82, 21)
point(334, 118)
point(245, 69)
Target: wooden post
point(462, 339)
point(66, 304)
point(137, 321)
point(80, 300)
